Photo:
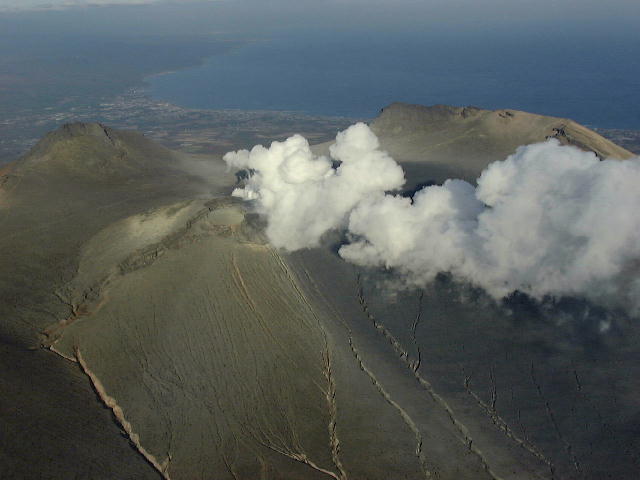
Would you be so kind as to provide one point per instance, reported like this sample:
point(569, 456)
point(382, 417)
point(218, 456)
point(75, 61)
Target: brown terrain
point(148, 330)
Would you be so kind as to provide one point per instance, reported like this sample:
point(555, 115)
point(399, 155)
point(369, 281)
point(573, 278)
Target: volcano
point(149, 330)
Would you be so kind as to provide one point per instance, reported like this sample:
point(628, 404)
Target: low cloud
point(20, 5)
point(304, 196)
point(549, 221)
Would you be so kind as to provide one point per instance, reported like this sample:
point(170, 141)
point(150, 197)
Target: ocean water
point(594, 79)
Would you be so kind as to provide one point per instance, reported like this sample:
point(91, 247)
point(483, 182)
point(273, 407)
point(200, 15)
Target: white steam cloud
point(303, 196)
point(550, 220)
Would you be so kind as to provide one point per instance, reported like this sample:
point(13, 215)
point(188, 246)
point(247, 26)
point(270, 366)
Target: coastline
point(200, 63)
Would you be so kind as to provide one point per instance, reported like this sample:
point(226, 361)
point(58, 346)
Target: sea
point(590, 76)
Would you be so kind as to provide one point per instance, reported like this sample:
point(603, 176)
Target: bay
point(594, 80)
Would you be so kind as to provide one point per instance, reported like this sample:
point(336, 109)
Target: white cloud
point(303, 196)
point(19, 5)
point(550, 220)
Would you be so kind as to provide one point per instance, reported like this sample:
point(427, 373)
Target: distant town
point(191, 130)
point(194, 131)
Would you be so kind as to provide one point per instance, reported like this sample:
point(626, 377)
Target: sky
point(393, 12)
point(18, 5)
point(260, 18)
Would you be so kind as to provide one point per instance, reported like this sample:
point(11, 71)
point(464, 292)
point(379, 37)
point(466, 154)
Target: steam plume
point(550, 220)
point(303, 196)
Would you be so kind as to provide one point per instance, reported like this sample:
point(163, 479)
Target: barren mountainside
point(439, 142)
point(148, 330)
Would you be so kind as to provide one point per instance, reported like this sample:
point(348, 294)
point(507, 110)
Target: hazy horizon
point(252, 16)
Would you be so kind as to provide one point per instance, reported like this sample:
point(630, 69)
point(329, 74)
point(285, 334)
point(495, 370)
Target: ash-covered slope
point(220, 357)
point(74, 183)
point(439, 142)
point(94, 149)
point(487, 130)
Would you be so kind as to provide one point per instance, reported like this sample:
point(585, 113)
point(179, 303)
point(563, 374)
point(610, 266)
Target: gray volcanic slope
point(74, 183)
point(218, 357)
point(436, 143)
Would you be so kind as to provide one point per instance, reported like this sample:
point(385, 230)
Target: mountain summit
point(98, 153)
point(443, 142)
